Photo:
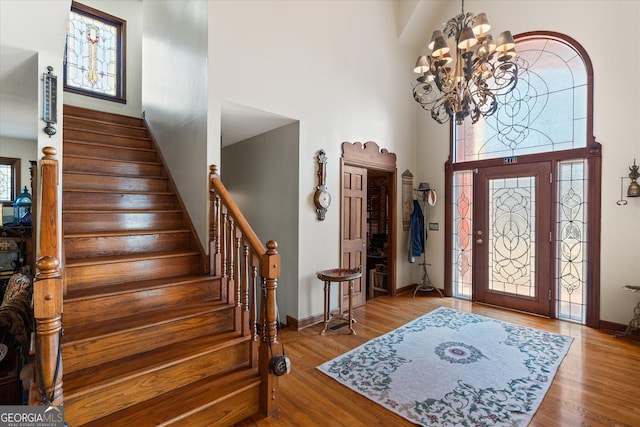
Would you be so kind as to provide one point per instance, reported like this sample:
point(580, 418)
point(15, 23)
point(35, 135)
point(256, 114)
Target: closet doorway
point(368, 220)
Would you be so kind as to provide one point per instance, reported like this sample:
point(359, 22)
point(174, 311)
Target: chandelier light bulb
point(481, 24)
point(440, 47)
point(422, 65)
point(467, 39)
point(505, 41)
point(434, 36)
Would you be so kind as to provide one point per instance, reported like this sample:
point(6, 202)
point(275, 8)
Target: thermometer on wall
point(49, 101)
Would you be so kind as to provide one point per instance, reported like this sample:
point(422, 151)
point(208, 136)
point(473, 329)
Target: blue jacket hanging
point(416, 234)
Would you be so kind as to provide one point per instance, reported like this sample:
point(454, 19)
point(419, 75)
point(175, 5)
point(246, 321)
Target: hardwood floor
point(597, 384)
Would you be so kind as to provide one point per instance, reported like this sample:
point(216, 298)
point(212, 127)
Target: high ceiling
point(20, 40)
point(239, 122)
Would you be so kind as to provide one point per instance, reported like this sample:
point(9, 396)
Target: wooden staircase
point(150, 337)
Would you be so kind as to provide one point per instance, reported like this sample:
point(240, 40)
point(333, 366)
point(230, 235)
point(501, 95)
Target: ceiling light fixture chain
point(466, 85)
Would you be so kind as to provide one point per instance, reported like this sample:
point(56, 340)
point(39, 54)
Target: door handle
point(479, 241)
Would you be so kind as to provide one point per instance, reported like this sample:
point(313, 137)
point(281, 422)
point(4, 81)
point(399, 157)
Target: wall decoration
point(322, 197)
point(407, 199)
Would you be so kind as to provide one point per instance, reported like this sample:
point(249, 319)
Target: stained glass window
point(571, 230)
point(547, 111)
point(9, 180)
point(462, 233)
point(94, 60)
point(511, 236)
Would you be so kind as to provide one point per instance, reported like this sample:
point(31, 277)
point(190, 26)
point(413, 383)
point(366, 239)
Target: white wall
point(337, 67)
point(25, 150)
point(50, 17)
point(174, 96)
point(261, 174)
point(130, 11)
point(598, 26)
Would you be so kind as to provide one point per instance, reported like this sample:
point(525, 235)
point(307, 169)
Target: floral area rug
point(452, 368)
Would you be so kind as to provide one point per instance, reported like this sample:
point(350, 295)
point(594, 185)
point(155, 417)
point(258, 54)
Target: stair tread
point(78, 156)
point(98, 190)
point(79, 262)
point(116, 233)
point(102, 144)
point(103, 212)
point(105, 132)
point(205, 392)
point(118, 370)
point(110, 175)
point(138, 320)
point(122, 125)
point(81, 113)
point(128, 287)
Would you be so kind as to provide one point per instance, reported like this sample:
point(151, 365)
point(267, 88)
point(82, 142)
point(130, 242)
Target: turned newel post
point(270, 271)
point(47, 311)
point(48, 289)
point(49, 203)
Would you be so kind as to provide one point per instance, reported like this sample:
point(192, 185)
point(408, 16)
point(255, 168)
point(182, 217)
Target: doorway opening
point(378, 183)
point(368, 219)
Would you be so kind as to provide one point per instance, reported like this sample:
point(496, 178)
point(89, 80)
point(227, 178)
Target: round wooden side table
point(634, 324)
point(338, 275)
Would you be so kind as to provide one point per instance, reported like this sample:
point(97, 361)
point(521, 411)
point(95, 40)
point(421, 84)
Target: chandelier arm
point(505, 77)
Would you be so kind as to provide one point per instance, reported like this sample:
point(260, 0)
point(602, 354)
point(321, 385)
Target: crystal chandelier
point(468, 86)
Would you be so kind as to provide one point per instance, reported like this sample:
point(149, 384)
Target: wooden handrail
point(48, 290)
point(234, 211)
point(238, 256)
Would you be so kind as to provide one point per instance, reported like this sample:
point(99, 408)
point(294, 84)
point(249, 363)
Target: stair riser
point(88, 276)
point(73, 111)
point(78, 200)
point(111, 141)
point(99, 246)
point(106, 152)
point(78, 312)
point(93, 352)
point(227, 412)
point(104, 127)
point(81, 181)
point(92, 165)
point(90, 406)
point(89, 222)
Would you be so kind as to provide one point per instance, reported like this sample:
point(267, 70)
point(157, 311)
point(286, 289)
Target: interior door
point(512, 234)
point(354, 235)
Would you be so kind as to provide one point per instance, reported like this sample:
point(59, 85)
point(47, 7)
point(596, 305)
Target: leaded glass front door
point(512, 237)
